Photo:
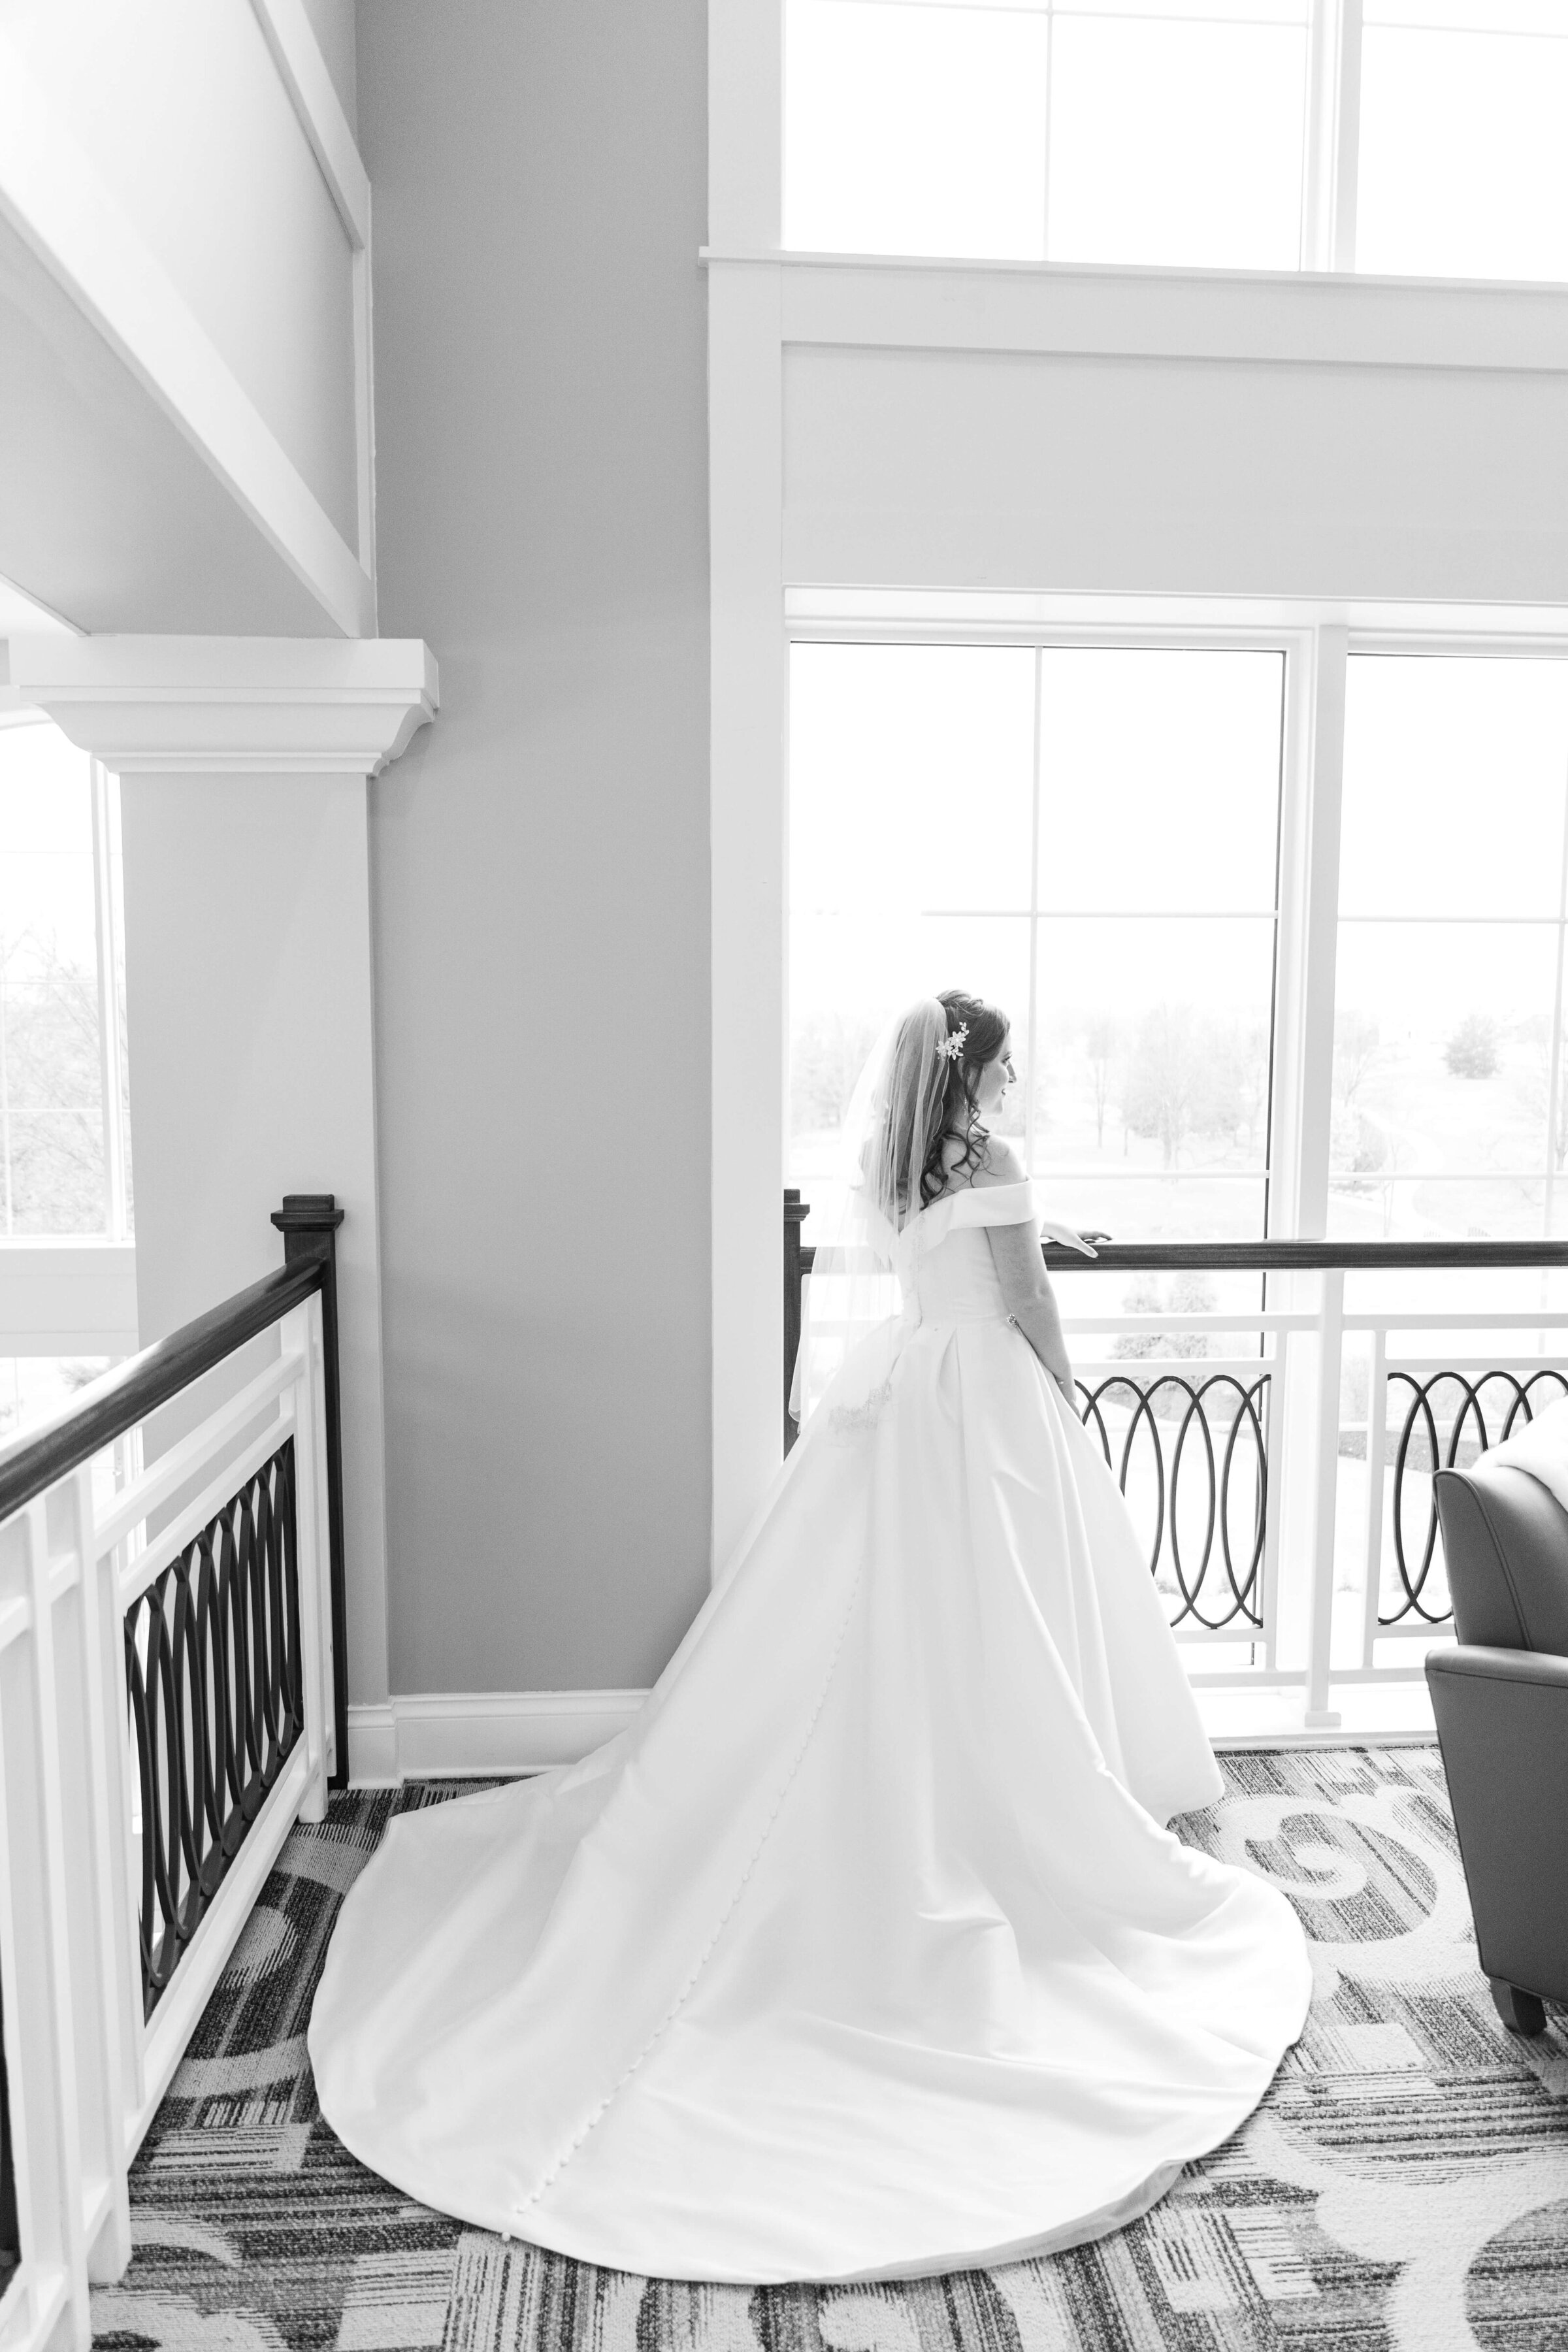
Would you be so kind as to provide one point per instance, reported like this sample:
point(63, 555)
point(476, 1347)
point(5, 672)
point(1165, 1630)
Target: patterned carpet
point(1402, 2189)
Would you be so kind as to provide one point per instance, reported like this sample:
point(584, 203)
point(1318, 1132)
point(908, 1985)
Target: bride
point(863, 1952)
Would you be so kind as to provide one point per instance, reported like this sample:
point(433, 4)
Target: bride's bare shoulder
point(999, 1163)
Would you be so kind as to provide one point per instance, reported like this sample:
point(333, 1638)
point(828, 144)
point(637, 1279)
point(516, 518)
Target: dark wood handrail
point(118, 1399)
point(1189, 1257)
point(1281, 1256)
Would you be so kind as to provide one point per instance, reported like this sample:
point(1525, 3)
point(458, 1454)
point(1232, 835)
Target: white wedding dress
point(863, 1952)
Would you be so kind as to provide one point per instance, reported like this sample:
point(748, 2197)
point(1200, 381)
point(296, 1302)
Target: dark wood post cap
point(308, 1213)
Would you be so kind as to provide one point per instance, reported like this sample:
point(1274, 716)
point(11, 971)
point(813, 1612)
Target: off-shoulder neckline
point(979, 1191)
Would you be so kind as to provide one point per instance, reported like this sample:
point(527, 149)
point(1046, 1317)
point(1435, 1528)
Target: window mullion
point(1347, 135)
point(1331, 148)
point(1032, 1030)
point(110, 1046)
point(1554, 1072)
point(1051, 104)
point(1309, 934)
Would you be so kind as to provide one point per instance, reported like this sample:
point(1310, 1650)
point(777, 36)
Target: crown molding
point(229, 706)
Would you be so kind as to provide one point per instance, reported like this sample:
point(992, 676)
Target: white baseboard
point(461, 1734)
point(467, 1734)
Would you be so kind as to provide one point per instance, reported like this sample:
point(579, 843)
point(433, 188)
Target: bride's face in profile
point(994, 1079)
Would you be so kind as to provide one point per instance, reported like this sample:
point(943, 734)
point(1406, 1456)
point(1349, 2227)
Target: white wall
point(182, 111)
point(540, 856)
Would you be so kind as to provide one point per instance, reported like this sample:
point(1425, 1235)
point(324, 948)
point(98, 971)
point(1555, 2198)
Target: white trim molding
point(1082, 309)
point(65, 1296)
point(471, 1735)
point(56, 201)
point(464, 1734)
point(251, 706)
point(302, 70)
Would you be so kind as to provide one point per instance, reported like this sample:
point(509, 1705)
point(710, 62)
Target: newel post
point(795, 1213)
point(308, 1223)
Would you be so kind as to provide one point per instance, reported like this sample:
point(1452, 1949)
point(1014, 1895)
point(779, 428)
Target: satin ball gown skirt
point(863, 1951)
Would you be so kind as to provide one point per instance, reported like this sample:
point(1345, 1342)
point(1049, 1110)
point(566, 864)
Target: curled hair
point(987, 1027)
point(925, 1100)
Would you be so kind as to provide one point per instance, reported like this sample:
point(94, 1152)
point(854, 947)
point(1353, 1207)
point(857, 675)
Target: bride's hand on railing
point(1053, 1229)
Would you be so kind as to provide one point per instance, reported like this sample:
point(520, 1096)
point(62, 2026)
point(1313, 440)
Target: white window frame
point(74, 1294)
point(760, 301)
point(1316, 656)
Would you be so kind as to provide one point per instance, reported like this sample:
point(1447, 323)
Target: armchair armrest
point(1474, 1661)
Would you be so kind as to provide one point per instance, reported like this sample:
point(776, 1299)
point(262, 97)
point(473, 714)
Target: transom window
point(1418, 137)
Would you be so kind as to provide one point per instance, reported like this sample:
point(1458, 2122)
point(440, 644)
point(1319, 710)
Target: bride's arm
point(1026, 1285)
point(1031, 1302)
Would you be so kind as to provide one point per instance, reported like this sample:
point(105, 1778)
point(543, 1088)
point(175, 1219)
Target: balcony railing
point(1278, 1462)
point(171, 1701)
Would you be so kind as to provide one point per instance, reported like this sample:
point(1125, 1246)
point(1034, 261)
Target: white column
point(245, 767)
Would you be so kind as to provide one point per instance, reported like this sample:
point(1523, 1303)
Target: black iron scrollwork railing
point(214, 1679)
point(1212, 1433)
point(1190, 1449)
point(192, 1734)
point(1450, 1418)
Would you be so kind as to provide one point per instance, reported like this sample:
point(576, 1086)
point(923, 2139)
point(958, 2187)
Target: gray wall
point(332, 21)
point(540, 856)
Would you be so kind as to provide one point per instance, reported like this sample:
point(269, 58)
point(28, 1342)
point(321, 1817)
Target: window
point(1087, 837)
point(1450, 1096)
point(1098, 130)
point(64, 1123)
point(1464, 167)
point(35, 1388)
point(1193, 132)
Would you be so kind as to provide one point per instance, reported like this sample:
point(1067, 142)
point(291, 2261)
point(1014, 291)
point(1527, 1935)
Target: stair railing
point(171, 1701)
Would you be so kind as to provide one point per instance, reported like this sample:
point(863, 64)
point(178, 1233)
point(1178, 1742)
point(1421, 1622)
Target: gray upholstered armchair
point(1500, 1698)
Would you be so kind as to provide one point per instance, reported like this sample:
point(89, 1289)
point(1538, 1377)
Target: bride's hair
point(927, 1098)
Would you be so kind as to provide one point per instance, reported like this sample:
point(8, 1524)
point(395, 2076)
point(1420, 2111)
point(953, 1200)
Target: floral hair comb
point(953, 1046)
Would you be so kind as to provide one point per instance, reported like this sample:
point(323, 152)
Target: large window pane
point(1135, 956)
point(1454, 788)
point(1160, 781)
point(33, 1388)
point(1464, 166)
point(1166, 131)
point(910, 823)
point(1152, 1059)
point(914, 129)
point(1177, 141)
point(58, 884)
point(1447, 1116)
point(1159, 819)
